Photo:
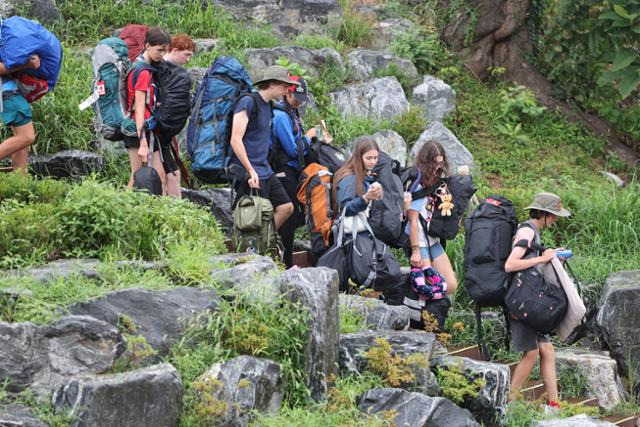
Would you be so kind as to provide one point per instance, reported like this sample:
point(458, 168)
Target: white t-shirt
point(420, 205)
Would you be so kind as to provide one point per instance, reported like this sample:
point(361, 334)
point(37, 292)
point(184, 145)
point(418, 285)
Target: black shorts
point(270, 188)
point(525, 338)
point(166, 151)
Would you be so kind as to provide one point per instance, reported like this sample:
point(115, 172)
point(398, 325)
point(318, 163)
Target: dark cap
point(301, 91)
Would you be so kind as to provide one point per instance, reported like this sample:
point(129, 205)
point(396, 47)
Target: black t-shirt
point(257, 137)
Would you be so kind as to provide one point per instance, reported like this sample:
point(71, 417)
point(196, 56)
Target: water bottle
point(251, 249)
point(564, 253)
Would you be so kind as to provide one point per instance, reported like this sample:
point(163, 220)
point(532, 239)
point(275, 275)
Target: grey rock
point(312, 60)
point(380, 98)
point(389, 141)
point(614, 178)
point(301, 245)
point(67, 164)
point(18, 416)
point(376, 314)
point(206, 45)
point(159, 316)
point(581, 420)
point(364, 64)
point(218, 200)
point(41, 10)
point(403, 343)
point(387, 30)
point(287, 18)
point(415, 409)
point(493, 397)
point(148, 397)
point(60, 269)
point(197, 74)
point(44, 357)
point(618, 320)
point(457, 153)
point(317, 290)
point(436, 98)
point(599, 371)
point(247, 273)
point(246, 384)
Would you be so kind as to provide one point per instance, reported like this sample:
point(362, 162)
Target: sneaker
point(551, 409)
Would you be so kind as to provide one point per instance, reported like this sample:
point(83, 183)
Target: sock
point(553, 403)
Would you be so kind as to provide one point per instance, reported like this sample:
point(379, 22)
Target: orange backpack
point(314, 192)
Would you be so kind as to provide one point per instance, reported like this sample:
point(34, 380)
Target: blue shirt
point(346, 194)
point(257, 137)
point(8, 84)
point(283, 135)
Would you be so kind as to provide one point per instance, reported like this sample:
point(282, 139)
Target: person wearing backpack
point(250, 141)
point(543, 212)
point(141, 100)
point(181, 51)
point(289, 146)
point(430, 263)
point(16, 113)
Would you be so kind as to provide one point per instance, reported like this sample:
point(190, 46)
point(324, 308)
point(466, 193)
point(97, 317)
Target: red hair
point(182, 42)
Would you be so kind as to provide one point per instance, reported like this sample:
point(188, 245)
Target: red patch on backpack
point(32, 88)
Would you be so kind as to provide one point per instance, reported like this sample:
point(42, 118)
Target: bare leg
point(157, 165)
point(19, 160)
point(548, 369)
point(173, 184)
point(23, 137)
point(282, 213)
point(134, 163)
point(522, 371)
point(443, 265)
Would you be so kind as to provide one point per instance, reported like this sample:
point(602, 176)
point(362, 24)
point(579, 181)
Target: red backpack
point(134, 36)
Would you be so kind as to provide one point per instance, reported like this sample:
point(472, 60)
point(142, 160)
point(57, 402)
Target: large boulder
point(206, 45)
point(41, 10)
point(317, 290)
point(435, 97)
point(389, 141)
point(159, 316)
point(60, 270)
point(381, 99)
point(387, 30)
point(312, 60)
point(18, 416)
point(148, 397)
point(581, 420)
point(618, 320)
point(246, 273)
point(415, 409)
point(457, 153)
point(364, 64)
point(598, 370)
point(244, 385)
point(376, 314)
point(492, 399)
point(287, 18)
point(67, 164)
point(44, 357)
point(218, 200)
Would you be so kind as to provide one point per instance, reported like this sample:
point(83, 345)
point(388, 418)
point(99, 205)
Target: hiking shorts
point(16, 111)
point(525, 338)
point(166, 151)
point(270, 188)
point(436, 251)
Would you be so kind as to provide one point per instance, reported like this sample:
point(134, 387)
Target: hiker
point(426, 254)
point(16, 113)
point(543, 212)
point(141, 100)
point(287, 156)
point(180, 52)
point(250, 141)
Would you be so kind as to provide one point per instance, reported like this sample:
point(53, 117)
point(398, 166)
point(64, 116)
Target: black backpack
point(489, 232)
point(174, 87)
point(327, 155)
point(385, 216)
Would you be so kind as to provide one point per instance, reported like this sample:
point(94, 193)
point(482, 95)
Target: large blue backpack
point(209, 131)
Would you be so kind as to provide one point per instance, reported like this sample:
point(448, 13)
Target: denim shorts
point(16, 111)
point(436, 250)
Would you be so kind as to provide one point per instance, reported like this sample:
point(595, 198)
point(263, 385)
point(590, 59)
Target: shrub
point(354, 29)
point(411, 124)
point(425, 50)
point(456, 386)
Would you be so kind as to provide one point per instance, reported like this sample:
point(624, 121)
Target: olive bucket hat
point(278, 73)
point(548, 202)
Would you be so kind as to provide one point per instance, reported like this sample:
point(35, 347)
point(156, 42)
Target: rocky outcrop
point(389, 141)
point(148, 397)
point(385, 31)
point(581, 420)
point(312, 60)
point(159, 316)
point(415, 409)
point(364, 64)
point(41, 10)
point(60, 269)
point(618, 320)
point(492, 399)
point(18, 416)
point(381, 99)
point(376, 314)
point(457, 153)
point(247, 273)
point(435, 97)
point(286, 18)
point(317, 290)
point(44, 357)
point(244, 385)
point(67, 164)
point(217, 200)
point(206, 45)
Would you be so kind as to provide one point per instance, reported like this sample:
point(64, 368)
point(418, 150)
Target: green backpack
point(253, 227)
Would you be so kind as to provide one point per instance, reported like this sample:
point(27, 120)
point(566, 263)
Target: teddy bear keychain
point(446, 200)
